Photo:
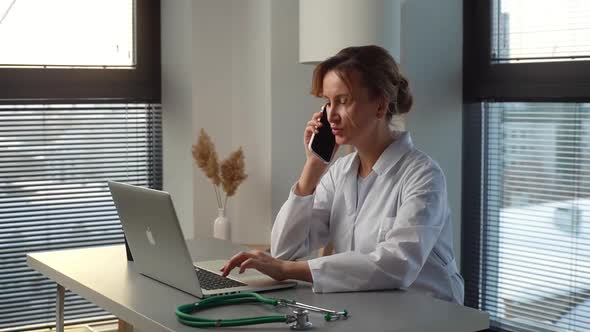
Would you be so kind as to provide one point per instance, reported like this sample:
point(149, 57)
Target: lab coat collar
point(393, 153)
point(390, 156)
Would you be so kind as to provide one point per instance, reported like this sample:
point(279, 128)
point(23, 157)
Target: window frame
point(560, 81)
point(139, 83)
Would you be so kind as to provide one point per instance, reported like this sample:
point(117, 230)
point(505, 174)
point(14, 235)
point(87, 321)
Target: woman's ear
point(382, 107)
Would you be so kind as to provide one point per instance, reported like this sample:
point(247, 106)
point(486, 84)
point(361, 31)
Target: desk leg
point(59, 309)
point(126, 327)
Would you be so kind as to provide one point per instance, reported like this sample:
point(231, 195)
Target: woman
point(384, 208)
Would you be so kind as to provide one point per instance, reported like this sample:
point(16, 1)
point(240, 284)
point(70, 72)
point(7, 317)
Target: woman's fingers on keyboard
point(236, 261)
point(248, 263)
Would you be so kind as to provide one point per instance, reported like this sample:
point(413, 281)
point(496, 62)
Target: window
point(79, 49)
point(526, 181)
point(76, 108)
point(67, 33)
point(518, 35)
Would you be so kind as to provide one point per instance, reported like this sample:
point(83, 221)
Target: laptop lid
point(154, 236)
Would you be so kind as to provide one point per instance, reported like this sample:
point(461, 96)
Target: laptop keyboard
point(209, 280)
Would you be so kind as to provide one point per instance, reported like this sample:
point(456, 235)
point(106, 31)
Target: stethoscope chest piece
point(301, 321)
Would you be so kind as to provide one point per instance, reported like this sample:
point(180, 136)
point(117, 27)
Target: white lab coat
point(400, 238)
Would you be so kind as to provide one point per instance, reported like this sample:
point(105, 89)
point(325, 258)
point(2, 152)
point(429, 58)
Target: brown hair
point(378, 72)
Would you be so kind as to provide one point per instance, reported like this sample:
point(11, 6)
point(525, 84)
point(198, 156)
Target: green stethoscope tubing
point(184, 312)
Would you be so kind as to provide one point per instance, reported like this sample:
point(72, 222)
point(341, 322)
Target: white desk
point(103, 276)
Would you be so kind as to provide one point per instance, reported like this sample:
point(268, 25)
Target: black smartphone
point(323, 143)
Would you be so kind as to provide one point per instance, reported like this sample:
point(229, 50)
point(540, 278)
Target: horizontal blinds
point(540, 30)
point(536, 231)
point(54, 163)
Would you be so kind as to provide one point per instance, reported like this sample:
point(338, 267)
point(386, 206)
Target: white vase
point(222, 226)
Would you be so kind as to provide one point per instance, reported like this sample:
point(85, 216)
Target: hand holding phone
point(323, 144)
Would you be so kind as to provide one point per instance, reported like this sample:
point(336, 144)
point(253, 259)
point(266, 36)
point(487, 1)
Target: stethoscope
point(299, 320)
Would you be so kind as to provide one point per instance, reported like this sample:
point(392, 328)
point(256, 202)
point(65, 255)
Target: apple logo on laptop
point(150, 236)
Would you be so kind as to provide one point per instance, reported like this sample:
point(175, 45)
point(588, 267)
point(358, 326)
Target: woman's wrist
point(298, 270)
point(310, 177)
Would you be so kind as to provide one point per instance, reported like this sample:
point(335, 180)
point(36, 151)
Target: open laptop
point(160, 252)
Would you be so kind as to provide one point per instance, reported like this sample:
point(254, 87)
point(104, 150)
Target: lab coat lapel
point(350, 192)
point(349, 185)
point(349, 189)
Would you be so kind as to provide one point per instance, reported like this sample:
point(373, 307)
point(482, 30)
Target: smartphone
point(323, 143)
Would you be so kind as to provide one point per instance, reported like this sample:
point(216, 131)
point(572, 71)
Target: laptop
point(160, 252)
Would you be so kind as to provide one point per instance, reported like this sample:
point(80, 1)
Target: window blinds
point(540, 30)
point(54, 163)
point(535, 266)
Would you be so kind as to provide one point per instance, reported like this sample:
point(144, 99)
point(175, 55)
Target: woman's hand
point(259, 260)
point(275, 268)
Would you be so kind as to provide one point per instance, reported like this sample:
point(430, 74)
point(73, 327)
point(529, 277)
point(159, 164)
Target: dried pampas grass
point(232, 169)
point(232, 172)
point(206, 157)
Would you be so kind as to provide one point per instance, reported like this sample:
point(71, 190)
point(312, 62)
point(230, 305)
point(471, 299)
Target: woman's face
point(352, 114)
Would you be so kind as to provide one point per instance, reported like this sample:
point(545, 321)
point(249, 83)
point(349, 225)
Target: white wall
point(211, 75)
point(217, 76)
point(177, 103)
point(432, 46)
point(244, 71)
point(251, 123)
point(292, 104)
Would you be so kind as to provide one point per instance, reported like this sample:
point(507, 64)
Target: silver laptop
point(160, 252)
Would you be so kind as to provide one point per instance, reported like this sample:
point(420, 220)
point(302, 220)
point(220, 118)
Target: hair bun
point(404, 97)
point(403, 83)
